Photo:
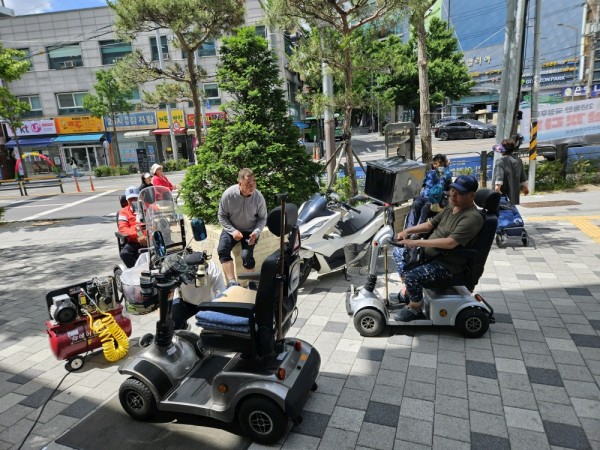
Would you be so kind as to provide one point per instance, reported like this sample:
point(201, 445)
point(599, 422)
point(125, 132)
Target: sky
point(40, 6)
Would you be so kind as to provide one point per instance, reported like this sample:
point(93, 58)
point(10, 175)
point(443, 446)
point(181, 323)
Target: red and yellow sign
point(210, 116)
point(176, 117)
point(78, 124)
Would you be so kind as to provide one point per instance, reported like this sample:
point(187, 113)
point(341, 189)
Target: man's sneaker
point(252, 286)
point(408, 314)
point(232, 283)
point(398, 298)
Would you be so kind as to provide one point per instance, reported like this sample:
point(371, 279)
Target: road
point(48, 204)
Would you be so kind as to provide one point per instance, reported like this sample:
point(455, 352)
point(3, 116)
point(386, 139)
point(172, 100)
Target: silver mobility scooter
point(240, 367)
point(449, 303)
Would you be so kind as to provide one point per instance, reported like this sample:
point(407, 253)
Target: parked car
point(465, 129)
point(444, 121)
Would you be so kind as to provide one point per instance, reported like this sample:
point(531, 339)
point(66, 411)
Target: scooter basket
point(136, 303)
point(358, 257)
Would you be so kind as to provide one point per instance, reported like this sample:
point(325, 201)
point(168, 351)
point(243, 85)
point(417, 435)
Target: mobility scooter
point(449, 303)
point(240, 367)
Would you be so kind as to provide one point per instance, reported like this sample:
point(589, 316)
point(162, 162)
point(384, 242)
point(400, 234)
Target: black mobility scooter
point(240, 367)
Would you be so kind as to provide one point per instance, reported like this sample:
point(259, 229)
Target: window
point(211, 90)
point(208, 48)
point(64, 56)
point(34, 104)
point(135, 95)
point(26, 57)
point(261, 31)
point(70, 103)
point(288, 43)
point(164, 45)
point(112, 51)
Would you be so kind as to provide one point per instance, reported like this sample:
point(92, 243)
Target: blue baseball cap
point(131, 191)
point(465, 183)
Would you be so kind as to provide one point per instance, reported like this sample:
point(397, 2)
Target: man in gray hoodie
point(243, 215)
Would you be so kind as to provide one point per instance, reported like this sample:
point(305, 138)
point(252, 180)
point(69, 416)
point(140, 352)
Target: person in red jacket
point(159, 179)
point(131, 227)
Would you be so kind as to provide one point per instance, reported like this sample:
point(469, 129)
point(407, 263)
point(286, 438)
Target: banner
point(34, 128)
point(132, 121)
point(176, 117)
point(564, 120)
point(79, 124)
point(210, 116)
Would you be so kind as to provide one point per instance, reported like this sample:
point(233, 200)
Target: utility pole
point(329, 120)
point(161, 64)
point(534, 97)
point(511, 70)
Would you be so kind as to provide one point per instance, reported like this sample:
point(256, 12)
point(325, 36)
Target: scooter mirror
point(334, 196)
point(198, 229)
point(159, 244)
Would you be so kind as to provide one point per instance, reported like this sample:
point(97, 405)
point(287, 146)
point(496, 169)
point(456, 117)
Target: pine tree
point(257, 133)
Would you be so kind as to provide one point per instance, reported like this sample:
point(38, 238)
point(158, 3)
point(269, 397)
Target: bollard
point(77, 184)
point(92, 184)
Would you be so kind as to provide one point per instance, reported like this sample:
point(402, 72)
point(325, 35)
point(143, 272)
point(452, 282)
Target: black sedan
point(465, 129)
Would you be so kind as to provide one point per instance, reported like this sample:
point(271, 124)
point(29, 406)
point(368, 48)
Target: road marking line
point(37, 205)
point(45, 213)
point(584, 223)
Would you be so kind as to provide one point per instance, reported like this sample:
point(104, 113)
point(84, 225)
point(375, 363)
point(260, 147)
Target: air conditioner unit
point(166, 56)
point(67, 64)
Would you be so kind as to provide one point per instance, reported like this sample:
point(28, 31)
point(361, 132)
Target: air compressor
point(86, 316)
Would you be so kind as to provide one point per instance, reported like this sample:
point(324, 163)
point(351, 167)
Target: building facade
point(567, 51)
point(67, 48)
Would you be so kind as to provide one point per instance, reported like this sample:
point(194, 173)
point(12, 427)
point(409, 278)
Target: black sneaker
point(398, 298)
point(409, 314)
point(252, 285)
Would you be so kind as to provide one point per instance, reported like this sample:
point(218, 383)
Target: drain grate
point(550, 203)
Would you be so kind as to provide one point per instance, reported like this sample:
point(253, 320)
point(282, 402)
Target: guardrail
point(34, 183)
point(11, 185)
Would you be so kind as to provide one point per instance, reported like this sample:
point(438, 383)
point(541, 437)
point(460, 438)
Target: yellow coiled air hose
point(115, 343)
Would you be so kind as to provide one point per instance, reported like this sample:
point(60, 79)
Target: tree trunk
point(425, 130)
point(195, 99)
point(347, 135)
point(116, 146)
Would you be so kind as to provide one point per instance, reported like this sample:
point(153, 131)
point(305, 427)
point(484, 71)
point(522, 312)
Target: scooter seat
point(237, 294)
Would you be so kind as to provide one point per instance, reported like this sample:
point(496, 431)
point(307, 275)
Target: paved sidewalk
point(532, 382)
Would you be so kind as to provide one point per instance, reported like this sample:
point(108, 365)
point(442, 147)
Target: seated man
point(131, 227)
point(457, 225)
point(243, 215)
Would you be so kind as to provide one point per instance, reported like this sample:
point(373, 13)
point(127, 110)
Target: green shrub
point(132, 169)
point(584, 171)
point(182, 164)
point(169, 165)
point(549, 176)
point(342, 187)
point(124, 170)
point(463, 171)
point(104, 171)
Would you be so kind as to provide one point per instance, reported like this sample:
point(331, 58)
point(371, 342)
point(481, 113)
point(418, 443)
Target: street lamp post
point(575, 76)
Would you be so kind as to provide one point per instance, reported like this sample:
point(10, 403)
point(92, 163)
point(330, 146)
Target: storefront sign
point(579, 118)
point(210, 116)
point(79, 124)
point(176, 117)
point(128, 152)
point(132, 121)
point(34, 128)
point(580, 91)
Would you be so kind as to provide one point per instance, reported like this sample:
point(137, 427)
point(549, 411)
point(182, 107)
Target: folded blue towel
point(222, 318)
point(207, 325)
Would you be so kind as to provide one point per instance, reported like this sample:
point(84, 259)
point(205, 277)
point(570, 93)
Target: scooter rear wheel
point(137, 399)
point(262, 420)
point(473, 323)
point(368, 322)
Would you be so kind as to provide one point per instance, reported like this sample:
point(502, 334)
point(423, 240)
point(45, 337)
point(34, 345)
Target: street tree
point(398, 74)
point(193, 23)
point(13, 64)
point(257, 133)
point(333, 23)
point(111, 99)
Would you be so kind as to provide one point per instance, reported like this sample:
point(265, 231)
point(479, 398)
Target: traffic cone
point(77, 184)
point(92, 184)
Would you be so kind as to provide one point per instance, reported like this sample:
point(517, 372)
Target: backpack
point(435, 194)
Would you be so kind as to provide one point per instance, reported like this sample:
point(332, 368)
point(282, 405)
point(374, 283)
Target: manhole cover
point(550, 203)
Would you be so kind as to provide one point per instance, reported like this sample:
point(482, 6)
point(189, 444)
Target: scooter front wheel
point(368, 322)
point(305, 269)
point(262, 420)
point(137, 399)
